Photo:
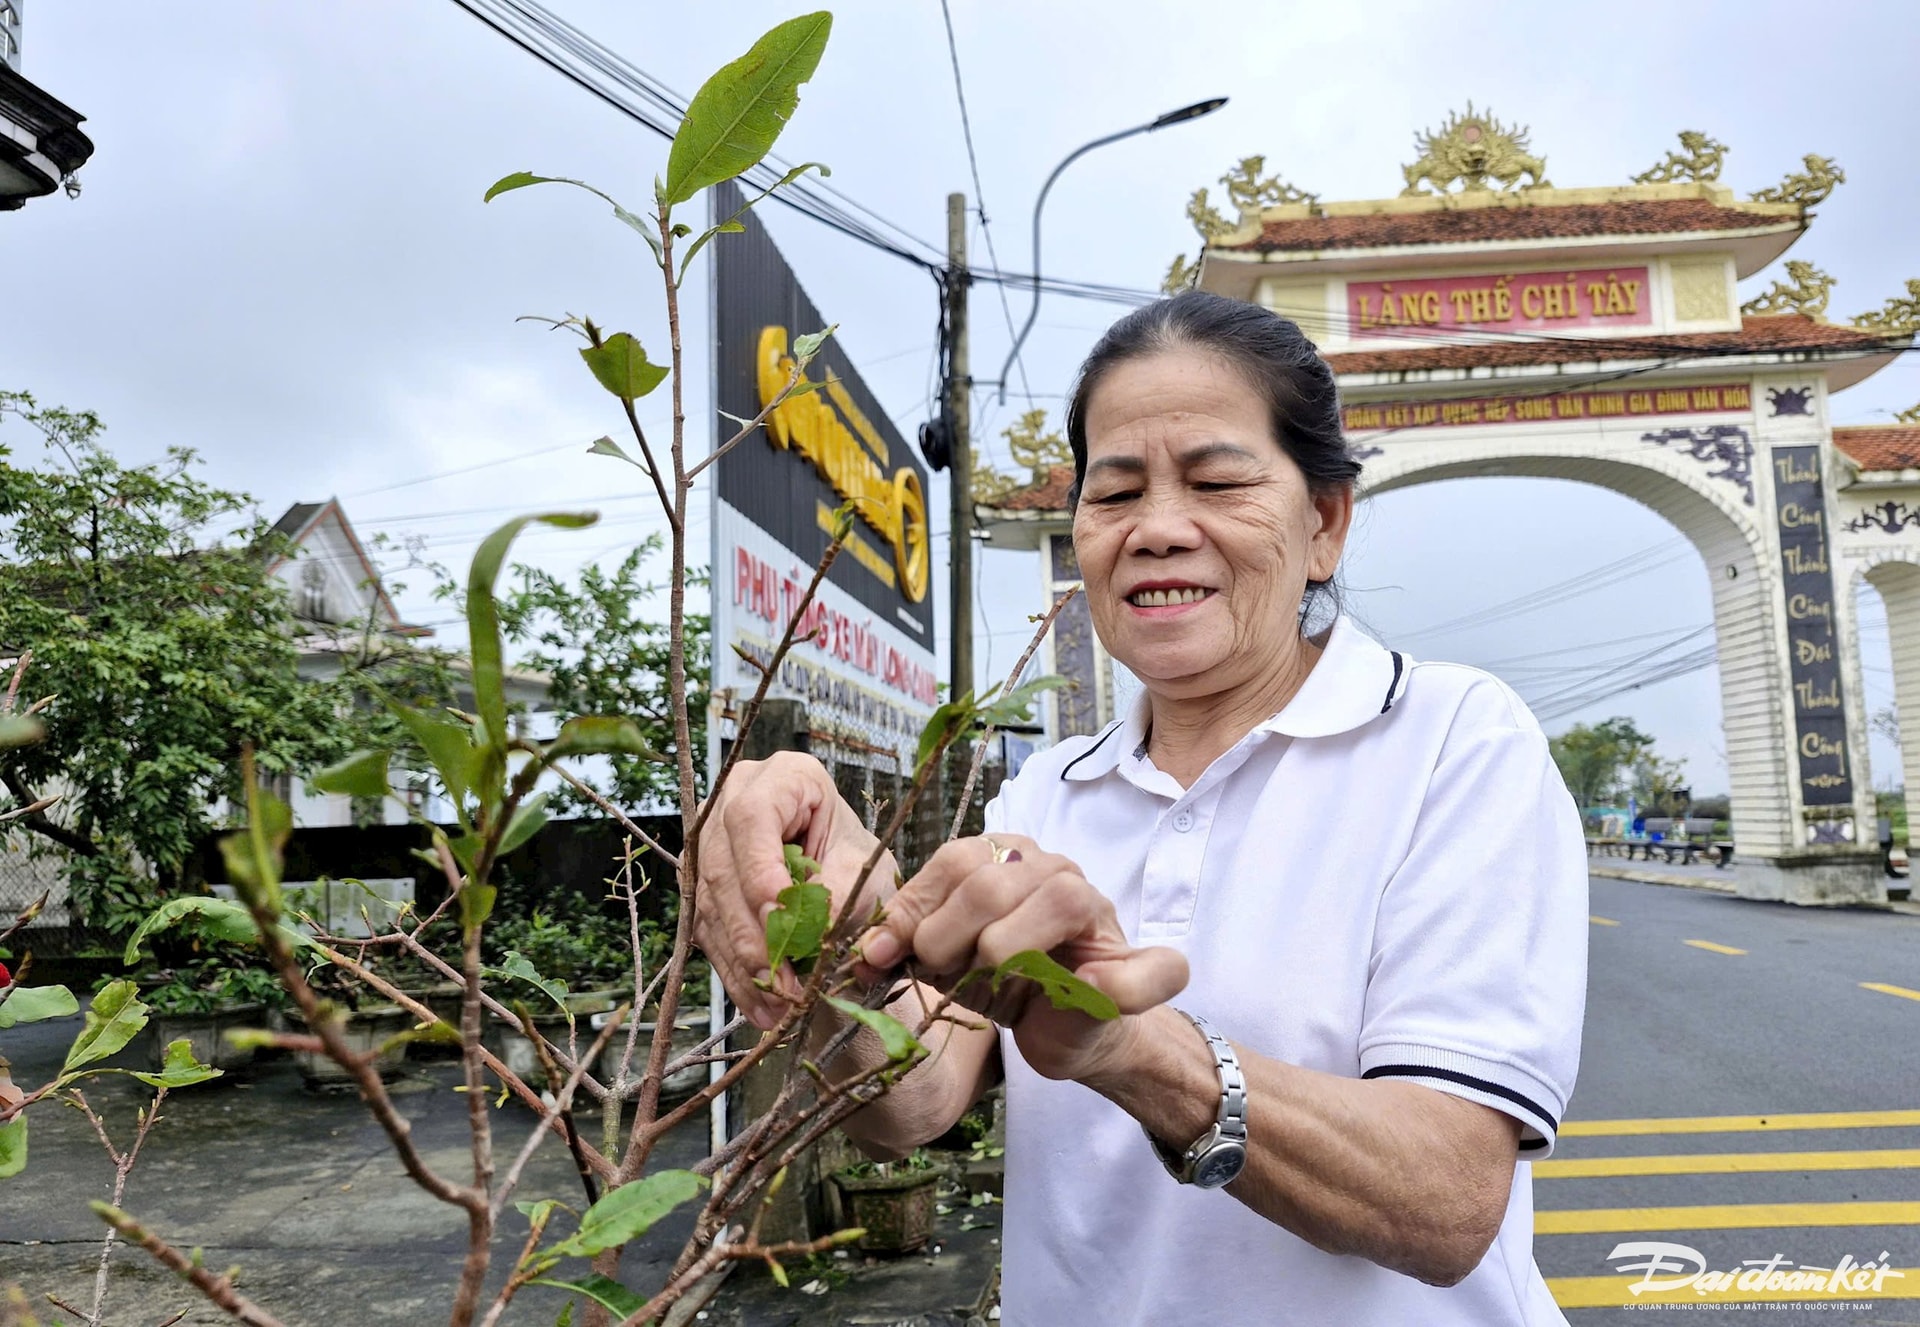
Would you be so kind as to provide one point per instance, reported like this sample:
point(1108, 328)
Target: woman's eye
point(1215, 486)
point(1112, 499)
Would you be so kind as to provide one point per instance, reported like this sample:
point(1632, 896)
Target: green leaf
point(629, 1212)
point(179, 1068)
point(20, 730)
point(521, 179)
point(600, 735)
point(536, 1211)
point(608, 447)
point(604, 1291)
point(450, 747)
point(30, 1004)
point(1016, 706)
point(253, 853)
point(795, 927)
point(807, 346)
point(519, 967)
point(362, 774)
point(210, 918)
point(732, 226)
point(801, 869)
point(13, 1146)
point(483, 621)
point(528, 817)
point(945, 724)
point(622, 367)
point(737, 115)
point(896, 1039)
point(1062, 989)
point(114, 1019)
point(779, 1273)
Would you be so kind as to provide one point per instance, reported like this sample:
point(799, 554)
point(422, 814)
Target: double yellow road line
point(1616, 1291)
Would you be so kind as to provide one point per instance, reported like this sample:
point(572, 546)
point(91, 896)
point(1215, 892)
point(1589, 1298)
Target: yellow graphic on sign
point(895, 508)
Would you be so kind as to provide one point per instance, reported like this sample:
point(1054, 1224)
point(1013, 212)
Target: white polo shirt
point(1385, 879)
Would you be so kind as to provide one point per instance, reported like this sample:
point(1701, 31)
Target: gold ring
point(1002, 854)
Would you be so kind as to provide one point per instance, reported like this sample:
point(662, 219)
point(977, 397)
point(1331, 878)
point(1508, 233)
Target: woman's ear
point(1335, 508)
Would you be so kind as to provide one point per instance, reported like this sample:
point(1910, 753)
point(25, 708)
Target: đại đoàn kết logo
point(1678, 1271)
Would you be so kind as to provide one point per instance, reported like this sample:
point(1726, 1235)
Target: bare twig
point(594, 795)
point(746, 429)
point(751, 710)
point(219, 1290)
point(13, 684)
point(563, 1103)
point(513, 1081)
point(27, 914)
point(1013, 680)
point(123, 1163)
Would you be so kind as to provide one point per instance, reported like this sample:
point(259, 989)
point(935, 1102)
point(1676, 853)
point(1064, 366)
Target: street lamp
point(1181, 116)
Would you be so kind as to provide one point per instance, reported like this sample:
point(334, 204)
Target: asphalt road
point(1745, 1092)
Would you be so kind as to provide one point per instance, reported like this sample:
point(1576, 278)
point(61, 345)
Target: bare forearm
point(929, 1099)
point(1400, 1174)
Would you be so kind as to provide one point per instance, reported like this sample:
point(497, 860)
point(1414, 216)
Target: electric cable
point(979, 192)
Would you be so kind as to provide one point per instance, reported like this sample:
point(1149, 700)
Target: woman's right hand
point(765, 805)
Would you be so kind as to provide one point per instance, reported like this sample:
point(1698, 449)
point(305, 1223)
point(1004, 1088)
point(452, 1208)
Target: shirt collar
point(1355, 680)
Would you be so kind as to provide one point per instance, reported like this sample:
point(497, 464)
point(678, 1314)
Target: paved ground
point(300, 1190)
point(1699, 1056)
point(1704, 1006)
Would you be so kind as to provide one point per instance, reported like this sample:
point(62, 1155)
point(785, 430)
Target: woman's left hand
point(973, 907)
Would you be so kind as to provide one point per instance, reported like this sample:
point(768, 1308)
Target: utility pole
point(960, 469)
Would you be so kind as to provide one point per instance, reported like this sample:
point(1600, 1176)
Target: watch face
point(1220, 1166)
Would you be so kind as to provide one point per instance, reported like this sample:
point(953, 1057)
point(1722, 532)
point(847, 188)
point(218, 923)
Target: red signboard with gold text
point(1557, 407)
point(1500, 302)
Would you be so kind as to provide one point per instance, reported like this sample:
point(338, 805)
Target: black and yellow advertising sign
point(827, 446)
point(864, 661)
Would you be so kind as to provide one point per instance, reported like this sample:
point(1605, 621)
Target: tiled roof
point(1757, 335)
point(1049, 494)
point(1881, 446)
point(1662, 216)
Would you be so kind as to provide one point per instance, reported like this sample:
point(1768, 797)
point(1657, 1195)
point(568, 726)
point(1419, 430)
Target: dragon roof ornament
point(1475, 151)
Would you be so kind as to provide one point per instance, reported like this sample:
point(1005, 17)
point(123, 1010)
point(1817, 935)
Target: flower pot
point(895, 1210)
point(444, 999)
point(366, 1031)
point(518, 1053)
point(206, 1033)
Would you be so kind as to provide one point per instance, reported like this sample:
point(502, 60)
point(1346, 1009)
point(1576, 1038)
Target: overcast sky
point(281, 258)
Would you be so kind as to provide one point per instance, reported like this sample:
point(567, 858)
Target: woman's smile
point(1160, 599)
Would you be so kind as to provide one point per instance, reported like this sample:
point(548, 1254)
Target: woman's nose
point(1162, 524)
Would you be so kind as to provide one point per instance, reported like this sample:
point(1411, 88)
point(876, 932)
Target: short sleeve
point(1478, 975)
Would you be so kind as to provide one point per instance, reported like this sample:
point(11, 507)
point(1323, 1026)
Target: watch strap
point(1230, 1120)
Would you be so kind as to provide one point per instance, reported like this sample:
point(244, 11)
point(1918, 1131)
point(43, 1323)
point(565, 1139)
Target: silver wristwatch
point(1218, 1155)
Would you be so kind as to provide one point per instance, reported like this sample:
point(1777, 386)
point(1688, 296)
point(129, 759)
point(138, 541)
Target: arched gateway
point(1594, 335)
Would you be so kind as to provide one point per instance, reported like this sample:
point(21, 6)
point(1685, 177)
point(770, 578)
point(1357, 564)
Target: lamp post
point(1181, 116)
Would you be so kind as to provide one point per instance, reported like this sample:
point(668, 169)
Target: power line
point(979, 192)
point(1611, 573)
point(598, 70)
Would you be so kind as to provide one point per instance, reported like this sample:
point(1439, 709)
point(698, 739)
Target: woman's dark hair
point(1272, 352)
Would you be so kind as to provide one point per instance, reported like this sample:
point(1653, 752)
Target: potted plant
point(201, 1001)
point(428, 986)
point(370, 1027)
point(891, 1201)
point(568, 971)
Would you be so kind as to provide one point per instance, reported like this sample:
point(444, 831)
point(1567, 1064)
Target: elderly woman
point(1339, 896)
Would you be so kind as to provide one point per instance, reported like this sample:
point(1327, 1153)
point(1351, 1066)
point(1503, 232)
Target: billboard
point(866, 667)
